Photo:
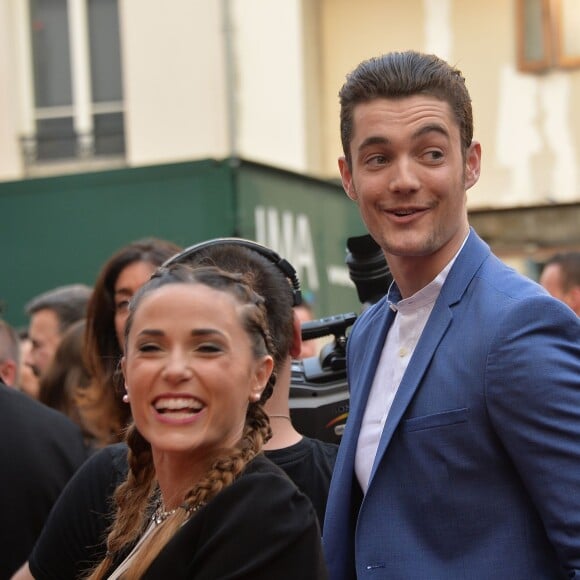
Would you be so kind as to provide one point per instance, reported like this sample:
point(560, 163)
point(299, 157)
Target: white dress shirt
point(411, 317)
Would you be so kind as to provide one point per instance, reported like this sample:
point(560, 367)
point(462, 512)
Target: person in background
point(40, 449)
point(64, 385)
point(198, 366)
point(28, 381)
point(9, 355)
point(561, 278)
point(51, 313)
point(305, 313)
point(73, 537)
point(461, 453)
point(104, 414)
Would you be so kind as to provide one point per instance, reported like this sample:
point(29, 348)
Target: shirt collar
point(427, 294)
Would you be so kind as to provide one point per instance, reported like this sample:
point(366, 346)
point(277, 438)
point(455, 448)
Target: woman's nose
point(177, 368)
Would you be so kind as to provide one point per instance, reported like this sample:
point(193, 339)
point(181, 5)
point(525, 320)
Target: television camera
point(319, 399)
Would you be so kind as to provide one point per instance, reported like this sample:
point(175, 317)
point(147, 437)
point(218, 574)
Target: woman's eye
point(210, 348)
point(121, 306)
point(148, 347)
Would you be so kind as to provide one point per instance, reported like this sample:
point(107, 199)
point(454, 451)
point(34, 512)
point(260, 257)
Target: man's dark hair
point(69, 303)
point(403, 74)
point(569, 263)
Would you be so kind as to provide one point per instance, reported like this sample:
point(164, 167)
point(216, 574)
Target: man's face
point(553, 281)
point(409, 179)
point(45, 336)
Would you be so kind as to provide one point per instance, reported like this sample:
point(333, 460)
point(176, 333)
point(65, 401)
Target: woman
point(200, 500)
point(101, 407)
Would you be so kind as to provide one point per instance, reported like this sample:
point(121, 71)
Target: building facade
point(118, 85)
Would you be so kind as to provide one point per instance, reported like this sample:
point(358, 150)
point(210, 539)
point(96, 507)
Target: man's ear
point(574, 299)
point(296, 346)
point(8, 371)
point(472, 164)
point(346, 176)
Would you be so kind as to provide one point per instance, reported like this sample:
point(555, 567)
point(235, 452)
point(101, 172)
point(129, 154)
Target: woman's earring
point(126, 398)
point(255, 397)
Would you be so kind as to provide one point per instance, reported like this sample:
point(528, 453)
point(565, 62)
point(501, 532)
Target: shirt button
point(403, 352)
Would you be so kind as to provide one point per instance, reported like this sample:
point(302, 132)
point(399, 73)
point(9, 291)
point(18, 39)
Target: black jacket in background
point(40, 449)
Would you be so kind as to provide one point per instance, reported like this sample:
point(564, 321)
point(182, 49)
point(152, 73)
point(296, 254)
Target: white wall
point(174, 80)
point(270, 74)
point(179, 66)
point(10, 159)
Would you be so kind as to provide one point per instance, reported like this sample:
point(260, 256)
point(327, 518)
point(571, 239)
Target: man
point(9, 355)
point(27, 380)
point(561, 278)
point(461, 453)
point(305, 313)
point(40, 449)
point(50, 315)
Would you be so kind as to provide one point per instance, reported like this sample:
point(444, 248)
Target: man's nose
point(403, 176)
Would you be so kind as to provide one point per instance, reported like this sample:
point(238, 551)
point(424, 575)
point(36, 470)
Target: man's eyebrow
point(431, 128)
point(424, 130)
point(373, 140)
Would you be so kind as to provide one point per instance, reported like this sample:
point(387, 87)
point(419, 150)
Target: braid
point(227, 467)
point(223, 472)
point(132, 499)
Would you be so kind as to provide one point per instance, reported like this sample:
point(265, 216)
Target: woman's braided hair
point(136, 497)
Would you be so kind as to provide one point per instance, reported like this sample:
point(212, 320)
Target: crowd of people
point(146, 419)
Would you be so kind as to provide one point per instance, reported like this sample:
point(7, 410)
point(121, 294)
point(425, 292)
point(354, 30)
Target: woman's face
point(190, 370)
point(131, 278)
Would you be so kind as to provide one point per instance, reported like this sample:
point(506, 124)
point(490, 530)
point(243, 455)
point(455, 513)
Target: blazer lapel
point(461, 274)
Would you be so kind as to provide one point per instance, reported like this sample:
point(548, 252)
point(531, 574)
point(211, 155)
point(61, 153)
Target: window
point(568, 33)
point(75, 85)
point(548, 34)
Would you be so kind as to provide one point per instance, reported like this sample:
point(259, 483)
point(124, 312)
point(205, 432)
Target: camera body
point(319, 397)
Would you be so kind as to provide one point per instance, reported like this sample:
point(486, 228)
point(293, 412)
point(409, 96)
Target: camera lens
point(367, 268)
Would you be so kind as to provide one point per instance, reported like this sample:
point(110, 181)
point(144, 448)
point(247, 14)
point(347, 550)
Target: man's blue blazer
point(477, 473)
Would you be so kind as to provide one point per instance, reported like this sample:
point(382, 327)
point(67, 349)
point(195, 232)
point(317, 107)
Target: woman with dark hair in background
point(102, 409)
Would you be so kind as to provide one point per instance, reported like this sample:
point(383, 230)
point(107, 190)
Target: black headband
point(283, 265)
